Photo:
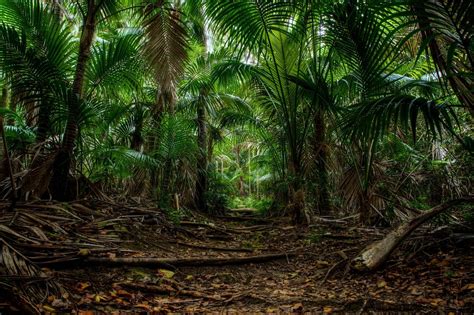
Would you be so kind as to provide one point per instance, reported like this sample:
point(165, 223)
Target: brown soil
point(432, 272)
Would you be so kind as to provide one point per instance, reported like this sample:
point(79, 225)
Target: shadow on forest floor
point(100, 257)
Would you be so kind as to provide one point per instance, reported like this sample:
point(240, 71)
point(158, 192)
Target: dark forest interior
point(234, 156)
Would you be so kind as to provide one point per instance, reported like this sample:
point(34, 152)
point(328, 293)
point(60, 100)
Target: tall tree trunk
point(296, 191)
point(4, 162)
point(202, 178)
point(165, 102)
point(136, 142)
point(43, 121)
point(202, 141)
point(321, 164)
point(62, 164)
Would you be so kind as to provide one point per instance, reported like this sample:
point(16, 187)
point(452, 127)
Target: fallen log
point(181, 262)
point(374, 255)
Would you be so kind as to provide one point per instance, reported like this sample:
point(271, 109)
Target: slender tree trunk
point(62, 165)
point(136, 142)
point(321, 164)
point(43, 121)
point(4, 162)
point(202, 178)
point(202, 141)
point(296, 191)
point(153, 143)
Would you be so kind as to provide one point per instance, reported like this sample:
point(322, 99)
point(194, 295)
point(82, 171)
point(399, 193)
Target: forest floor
point(307, 270)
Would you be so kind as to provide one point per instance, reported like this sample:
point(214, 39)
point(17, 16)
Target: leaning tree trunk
point(202, 179)
point(377, 253)
point(62, 164)
point(320, 152)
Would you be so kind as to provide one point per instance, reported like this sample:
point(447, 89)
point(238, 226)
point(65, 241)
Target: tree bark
point(296, 190)
point(43, 121)
point(62, 164)
point(374, 255)
point(4, 161)
point(320, 152)
point(202, 178)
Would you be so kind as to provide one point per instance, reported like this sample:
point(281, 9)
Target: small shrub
point(219, 193)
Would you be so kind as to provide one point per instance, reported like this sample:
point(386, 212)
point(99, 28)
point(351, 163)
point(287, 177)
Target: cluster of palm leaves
point(149, 95)
point(339, 74)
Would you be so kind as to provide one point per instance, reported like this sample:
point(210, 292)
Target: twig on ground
point(330, 270)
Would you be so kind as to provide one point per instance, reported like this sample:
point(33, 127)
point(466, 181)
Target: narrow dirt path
point(312, 277)
point(102, 257)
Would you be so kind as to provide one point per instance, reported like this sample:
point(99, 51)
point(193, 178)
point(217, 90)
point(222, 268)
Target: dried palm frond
point(24, 280)
point(36, 180)
point(361, 197)
point(165, 47)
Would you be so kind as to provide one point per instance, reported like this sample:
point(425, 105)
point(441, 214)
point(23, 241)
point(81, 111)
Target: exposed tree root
point(178, 262)
point(166, 289)
point(377, 253)
point(244, 210)
point(222, 249)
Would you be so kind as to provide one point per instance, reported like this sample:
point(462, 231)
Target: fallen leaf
point(98, 298)
point(48, 308)
point(84, 252)
point(297, 307)
point(124, 293)
point(414, 291)
point(468, 287)
point(381, 284)
point(145, 306)
point(327, 310)
point(168, 274)
point(81, 286)
point(436, 302)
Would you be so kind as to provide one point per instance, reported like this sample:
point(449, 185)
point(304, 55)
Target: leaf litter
point(314, 278)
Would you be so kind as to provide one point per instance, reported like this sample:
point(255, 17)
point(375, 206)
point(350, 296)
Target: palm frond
point(114, 65)
point(166, 44)
point(372, 119)
point(248, 24)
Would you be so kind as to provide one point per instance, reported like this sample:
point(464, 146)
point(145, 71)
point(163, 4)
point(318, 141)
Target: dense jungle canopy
point(178, 113)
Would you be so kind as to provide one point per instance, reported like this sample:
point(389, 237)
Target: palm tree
point(166, 51)
point(350, 44)
point(204, 90)
point(91, 11)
